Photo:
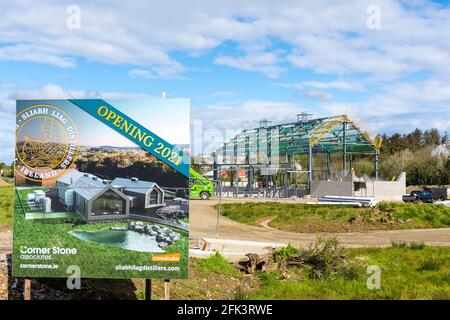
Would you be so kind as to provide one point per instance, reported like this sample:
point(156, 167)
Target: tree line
point(412, 153)
point(413, 141)
point(7, 170)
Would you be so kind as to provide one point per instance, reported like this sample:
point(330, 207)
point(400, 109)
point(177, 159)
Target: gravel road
point(203, 224)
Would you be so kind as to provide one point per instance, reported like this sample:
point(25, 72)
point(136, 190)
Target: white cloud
point(319, 35)
point(337, 84)
point(109, 33)
point(139, 73)
point(400, 107)
point(318, 95)
point(246, 114)
point(51, 91)
point(316, 90)
point(410, 40)
point(33, 53)
point(7, 127)
point(325, 37)
point(223, 121)
point(264, 62)
point(325, 54)
point(428, 91)
point(54, 91)
point(351, 110)
point(341, 85)
point(224, 93)
point(158, 72)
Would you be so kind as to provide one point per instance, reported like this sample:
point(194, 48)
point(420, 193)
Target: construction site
point(306, 158)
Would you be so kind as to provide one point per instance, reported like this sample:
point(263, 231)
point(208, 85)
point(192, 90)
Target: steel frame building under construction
point(279, 151)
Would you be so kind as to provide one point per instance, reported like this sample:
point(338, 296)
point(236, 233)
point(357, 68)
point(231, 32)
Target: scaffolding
point(272, 149)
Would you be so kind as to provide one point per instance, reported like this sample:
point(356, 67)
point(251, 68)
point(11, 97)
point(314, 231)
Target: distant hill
point(107, 147)
point(116, 148)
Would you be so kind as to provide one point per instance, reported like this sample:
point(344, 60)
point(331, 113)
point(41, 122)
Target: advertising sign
point(101, 187)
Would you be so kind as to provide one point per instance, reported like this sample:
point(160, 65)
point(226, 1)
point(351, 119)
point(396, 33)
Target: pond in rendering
point(126, 239)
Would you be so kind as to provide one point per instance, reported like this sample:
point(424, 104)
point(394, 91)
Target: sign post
point(166, 289)
point(141, 220)
point(27, 289)
point(148, 289)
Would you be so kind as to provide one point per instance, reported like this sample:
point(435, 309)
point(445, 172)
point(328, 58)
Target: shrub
point(399, 244)
point(284, 253)
point(440, 294)
point(239, 294)
point(445, 220)
point(352, 217)
point(446, 276)
point(416, 245)
point(325, 257)
point(431, 264)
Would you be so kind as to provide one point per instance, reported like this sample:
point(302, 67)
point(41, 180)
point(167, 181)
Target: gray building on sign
point(97, 199)
point(65, 181)
point(145, 194)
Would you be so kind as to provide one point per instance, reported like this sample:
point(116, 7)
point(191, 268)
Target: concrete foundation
point(232, 250)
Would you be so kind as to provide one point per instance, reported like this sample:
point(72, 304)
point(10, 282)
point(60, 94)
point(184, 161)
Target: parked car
point(422, 196)
point(440, 193)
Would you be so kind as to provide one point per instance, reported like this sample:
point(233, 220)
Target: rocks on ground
point(163, 235)
point(171, 212)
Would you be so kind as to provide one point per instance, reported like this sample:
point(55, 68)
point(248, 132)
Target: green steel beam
point(321, 135)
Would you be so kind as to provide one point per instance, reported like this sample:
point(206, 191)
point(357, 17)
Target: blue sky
point(384, 63)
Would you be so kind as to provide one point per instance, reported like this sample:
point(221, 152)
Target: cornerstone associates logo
point(47, 142)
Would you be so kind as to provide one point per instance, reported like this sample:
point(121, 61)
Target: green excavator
point(201, 188)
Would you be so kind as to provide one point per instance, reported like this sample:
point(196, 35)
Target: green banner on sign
point(131, 129)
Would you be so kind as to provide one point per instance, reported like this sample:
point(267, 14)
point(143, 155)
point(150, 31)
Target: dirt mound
point(413, 188)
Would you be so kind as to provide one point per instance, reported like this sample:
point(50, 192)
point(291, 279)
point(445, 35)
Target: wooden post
point(27, 289)
point(166, 289)
point(148, 289)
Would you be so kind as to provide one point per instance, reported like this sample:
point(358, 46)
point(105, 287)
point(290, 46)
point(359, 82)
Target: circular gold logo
point(47, 142)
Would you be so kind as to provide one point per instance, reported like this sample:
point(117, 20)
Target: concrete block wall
point(390, 190)
point(333, 188)
point(380, 190)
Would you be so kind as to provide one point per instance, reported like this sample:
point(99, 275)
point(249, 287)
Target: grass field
point(406, 273)
point(415, 272)
point(326, 218)
point(94, 259)
point(213, 278)
point(6, 205)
